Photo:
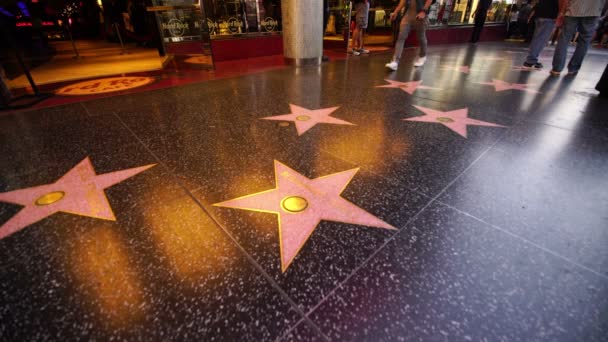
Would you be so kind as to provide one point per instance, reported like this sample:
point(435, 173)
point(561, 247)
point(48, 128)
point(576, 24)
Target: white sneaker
point(363, 51)
point(356, 52)
point(392, 65)
point(420, 61)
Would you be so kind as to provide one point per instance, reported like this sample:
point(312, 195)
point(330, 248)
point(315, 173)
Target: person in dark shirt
point(523, 18)
point(480, 14)
point(545, 14)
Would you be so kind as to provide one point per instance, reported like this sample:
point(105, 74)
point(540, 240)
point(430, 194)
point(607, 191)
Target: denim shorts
point(362, 23)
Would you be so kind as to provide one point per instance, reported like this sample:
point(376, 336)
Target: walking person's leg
point(586, 27)
point(421, 26)
point(360, 39)
point(480, 20)
point(602, 84)
point(404, 30)
point(476, 30)
point(559, 58)
point(362, 36)
point(555, 35)
point(544, 27)
point(573, 41)
point(523, 28)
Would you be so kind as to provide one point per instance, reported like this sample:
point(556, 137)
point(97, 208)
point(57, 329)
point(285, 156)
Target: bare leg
point(361, 34)
point(355, 37)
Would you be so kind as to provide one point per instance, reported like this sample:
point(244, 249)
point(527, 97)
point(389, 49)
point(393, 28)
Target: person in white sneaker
point(415, 15)
point(361, 15)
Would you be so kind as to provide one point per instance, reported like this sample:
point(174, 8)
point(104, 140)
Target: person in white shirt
point(361, 15)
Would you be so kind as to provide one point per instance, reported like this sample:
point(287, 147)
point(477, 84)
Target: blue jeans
point(585, 26)
point(542, 33)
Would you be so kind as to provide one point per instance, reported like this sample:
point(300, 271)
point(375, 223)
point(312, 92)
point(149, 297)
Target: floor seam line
point(86, 110)
point(364, 262)
point(293, 328)
point(250, 259)
point(284, 335)
point(539, 122)
point(392, 238)
point(523, 239)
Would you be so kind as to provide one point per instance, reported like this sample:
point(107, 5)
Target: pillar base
point(301, 62)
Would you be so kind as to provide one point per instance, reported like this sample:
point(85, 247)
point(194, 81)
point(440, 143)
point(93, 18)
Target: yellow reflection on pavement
point(101, 264)
point(193, 245)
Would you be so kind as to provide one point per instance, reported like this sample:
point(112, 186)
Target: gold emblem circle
point(294, 204)
point(50, 198)
point(303, 117)
point(444, 119)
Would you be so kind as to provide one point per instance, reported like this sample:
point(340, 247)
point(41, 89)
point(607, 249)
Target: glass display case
point(241, 17)
point(182, 29)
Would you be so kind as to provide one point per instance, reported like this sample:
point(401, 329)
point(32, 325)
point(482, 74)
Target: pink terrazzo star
point(456, 120)
point(80, 192)
point(502, 86)
point(408, 87)
point(306, 119)
point(524, 68)
point(493, 58)
point(462, 68)
point(301, 203)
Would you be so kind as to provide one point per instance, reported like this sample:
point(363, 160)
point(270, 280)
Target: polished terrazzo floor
point(463, 201)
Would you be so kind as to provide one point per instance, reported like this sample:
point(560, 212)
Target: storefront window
point(179, 22)
point(380, 13)
point(235, 17)
point(463, 9)
point(439, 12)
point(498, 11)
point(270, 15)
point(442, 12)
point(459, 10)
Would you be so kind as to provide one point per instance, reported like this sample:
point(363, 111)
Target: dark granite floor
point(464, 209)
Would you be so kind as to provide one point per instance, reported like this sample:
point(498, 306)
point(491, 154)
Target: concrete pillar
point(302, 31)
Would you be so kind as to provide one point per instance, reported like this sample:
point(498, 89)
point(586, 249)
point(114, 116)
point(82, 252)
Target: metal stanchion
point(122, 45)
point(27, 73)
point(348, 18)
point(7, 101)
point(5, 92)
point(77, 55)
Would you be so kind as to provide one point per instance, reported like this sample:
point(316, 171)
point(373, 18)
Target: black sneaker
point(533, 65)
